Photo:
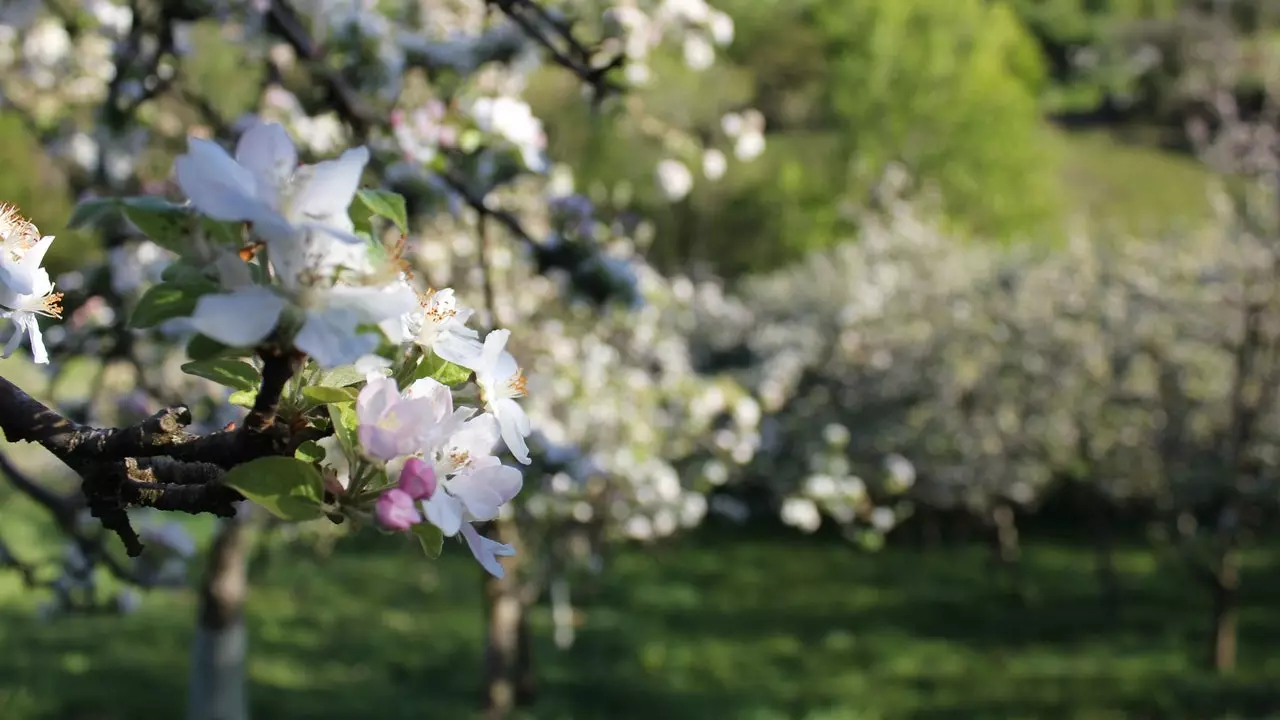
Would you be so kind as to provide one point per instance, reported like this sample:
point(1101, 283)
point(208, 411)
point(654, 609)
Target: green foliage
point(235, 374)
point(166, 300)
point(737, 627)
point(309, 451)
point(40, 191)
point(288, 488)
point(321, 395)
point(202, 347)
point(949, 91)
point(379, 203)
point(441, 370)
point(430, 538)
point(169, 225)
point(343, 416)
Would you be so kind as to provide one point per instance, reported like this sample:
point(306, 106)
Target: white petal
point(216, 184)
point(333, 183)
point(396, 329)
point(15, 340)
point(458, 350)
point(479, 436)
point(239, 319)
point(329, 336)
point(374, 303)
point(38, 352)
point(487, 551)
point(266, 150)
point(495, 344)
point(515, 427)
point(445, 512)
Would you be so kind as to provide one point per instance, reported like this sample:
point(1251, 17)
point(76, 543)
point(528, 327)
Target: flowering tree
point(297, 275)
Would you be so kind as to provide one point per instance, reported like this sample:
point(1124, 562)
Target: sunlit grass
point(719, 626)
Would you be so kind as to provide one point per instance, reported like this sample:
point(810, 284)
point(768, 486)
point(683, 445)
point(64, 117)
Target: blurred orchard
point(573, 359)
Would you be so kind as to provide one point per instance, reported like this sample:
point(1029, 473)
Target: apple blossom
point(23, 309)
point(394, 425)
point(438, 326)
point(22, 250)
point(501, 382)
point(396, 510)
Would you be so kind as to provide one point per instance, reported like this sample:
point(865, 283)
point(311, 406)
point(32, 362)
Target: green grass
point(711, 627)
point(1132, 187)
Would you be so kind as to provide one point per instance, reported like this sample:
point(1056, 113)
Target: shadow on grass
point(759, 628)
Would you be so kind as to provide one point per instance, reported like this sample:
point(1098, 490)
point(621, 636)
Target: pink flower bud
point(418, 479)
point(395, 510)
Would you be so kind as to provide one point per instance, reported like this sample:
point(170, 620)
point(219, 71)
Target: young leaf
point(309, 451)
point(166, 301)
point(165, 223)
point(430, 537)
point(243, 398)
point(344, 420)
point(90, 211)
point(341, 377)
point(236, 374)
point(184, 271)
point(387, 205)
point(442, 371)
point(326, 395)
point(288, 488)
point(203, 347)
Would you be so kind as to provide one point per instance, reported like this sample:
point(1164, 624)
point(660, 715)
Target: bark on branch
point(156, 463)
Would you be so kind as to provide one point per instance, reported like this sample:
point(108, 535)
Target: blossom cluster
point(26, 292)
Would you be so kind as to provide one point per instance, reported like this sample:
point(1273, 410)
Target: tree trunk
point(562, 611)
point(217, 684)
point(1007, 542)
point(1226, 610)
point(508, 661)
point(1007, 550)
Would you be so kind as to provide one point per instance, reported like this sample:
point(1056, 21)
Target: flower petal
point(515, 427)
point(331, 338)
point(216, 184)
point(332, 185)
point(241, 318)
point(268, 152)
point(495, 344)
point(445, 512)
point(487, 551)
point(458, 350)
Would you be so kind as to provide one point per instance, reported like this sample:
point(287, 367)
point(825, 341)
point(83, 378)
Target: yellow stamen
point(517, 384)
point(51, 305)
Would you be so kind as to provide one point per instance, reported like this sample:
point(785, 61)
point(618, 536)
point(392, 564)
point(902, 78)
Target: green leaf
point(168, 300)
point(228, 233)
point(167, 224)
point(327, 395)
point(233, 373)
point(309, 451)
point(243, 398)
point(89, 212)
point(185, 271)
point(442, 371)
point(203, 347)
point(344, 420)
point(340, 377)
point(430, 537)
point(386, 204)
point(288, 488)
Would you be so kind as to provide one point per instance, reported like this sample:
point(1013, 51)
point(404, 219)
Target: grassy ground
point(724, 627)
point(1140, 189)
